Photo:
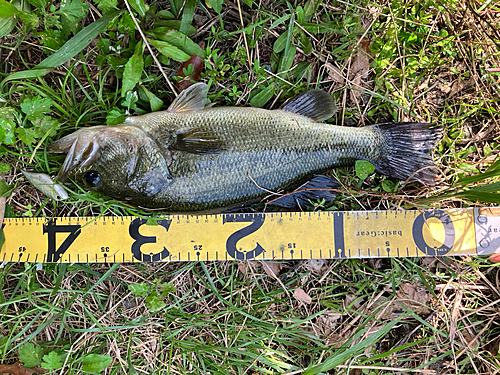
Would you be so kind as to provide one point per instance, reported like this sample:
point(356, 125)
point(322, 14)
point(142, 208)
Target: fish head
point(121, 162)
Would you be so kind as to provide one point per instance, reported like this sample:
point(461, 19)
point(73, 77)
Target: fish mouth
point(82, 150)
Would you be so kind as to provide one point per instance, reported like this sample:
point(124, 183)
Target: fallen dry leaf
point(413, 297)
point(18, 369)
point(360, 66)
point(272, 269)
point(336, 340)
point(327, 322)
point(198, 65)
point(302, 296)
point(314, 265)
point(334, 73)
point(246, 266)
point(349, 298)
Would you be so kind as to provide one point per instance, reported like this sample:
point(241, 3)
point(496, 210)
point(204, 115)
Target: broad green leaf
point(165, 14)
point(96, 362)
point(138, 6)
point(4, 168)
point(280, 20)
point(310, 8)
point(155, 302)
point(179, 40)
point(52, 361)
point(363, 169)
point(306, 43)
point(175, 25)
point(261, 98)
point(107, 4)
point(493, 171)
point(169, 50)
point(215, 4)
point(133, 70)
point(280, 43)
point(76, 44)
point(72, 12)
point(187, 15)
point(140, 289)
point(36, 106)
point(4, 340)
point(24, 74)
point(115, 117)
point(27, 135)
point(299, 12)
point(7, 132)
point(155, 102)
point(388, 185)
point(287, 58)
point(30, 19)
point(175, 6)
point(5, 188)
point(7, 25)
point(290, 50)
point(39, 4)
point(30, 354)
point(248, 2)
point(7, 9)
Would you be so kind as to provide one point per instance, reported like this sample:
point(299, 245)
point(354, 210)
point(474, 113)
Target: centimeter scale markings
point(278, 236)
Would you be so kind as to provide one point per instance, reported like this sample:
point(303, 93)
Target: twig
point(244, 35)
point(150, 49)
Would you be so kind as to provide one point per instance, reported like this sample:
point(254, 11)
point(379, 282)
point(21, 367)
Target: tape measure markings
point(253, 236)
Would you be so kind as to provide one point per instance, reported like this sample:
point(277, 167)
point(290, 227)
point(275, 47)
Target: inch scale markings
point(278, 236)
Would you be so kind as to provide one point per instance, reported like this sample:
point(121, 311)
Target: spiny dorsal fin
point(191, 99)
point(318, 105)
point(199, 140)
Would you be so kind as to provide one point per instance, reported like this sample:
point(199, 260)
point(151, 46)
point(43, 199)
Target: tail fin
point(406, 151)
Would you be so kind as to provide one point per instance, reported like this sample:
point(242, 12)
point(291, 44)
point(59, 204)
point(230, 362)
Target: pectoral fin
point(199, 140)
point(318, 105)
point(191, 99)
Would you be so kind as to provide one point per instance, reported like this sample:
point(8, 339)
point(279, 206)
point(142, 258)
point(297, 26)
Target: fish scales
point(191, 158)
point(255, 142)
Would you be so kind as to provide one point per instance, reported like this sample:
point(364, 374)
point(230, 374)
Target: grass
point(391, 61)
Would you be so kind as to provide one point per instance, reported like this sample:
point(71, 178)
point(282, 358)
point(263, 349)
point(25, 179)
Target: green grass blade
point(340, 358)
point(76, 44)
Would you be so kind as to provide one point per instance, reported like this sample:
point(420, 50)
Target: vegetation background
point(77, 63)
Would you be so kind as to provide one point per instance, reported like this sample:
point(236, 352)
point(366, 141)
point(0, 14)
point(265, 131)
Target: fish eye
point(93, 179)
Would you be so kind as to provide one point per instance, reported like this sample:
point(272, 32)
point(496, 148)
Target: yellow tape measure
point(283, 235)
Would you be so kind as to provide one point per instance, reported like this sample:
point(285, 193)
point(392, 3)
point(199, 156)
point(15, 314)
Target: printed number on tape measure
point(253, 236)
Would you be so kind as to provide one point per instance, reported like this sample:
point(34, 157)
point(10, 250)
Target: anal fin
point(316, 189)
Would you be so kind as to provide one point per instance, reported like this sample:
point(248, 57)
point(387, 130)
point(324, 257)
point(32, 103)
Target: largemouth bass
point(196, 158)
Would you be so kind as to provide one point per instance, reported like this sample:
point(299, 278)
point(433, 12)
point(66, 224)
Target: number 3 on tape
point(141, 240)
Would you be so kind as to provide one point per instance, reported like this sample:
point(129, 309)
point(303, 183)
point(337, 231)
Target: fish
point(44, 183)
point(194, 157)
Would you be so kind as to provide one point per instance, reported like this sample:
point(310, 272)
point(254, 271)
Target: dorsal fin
point(191, 99)
point(318, 105)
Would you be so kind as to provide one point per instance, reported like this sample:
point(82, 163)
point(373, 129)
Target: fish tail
point(406, 151)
